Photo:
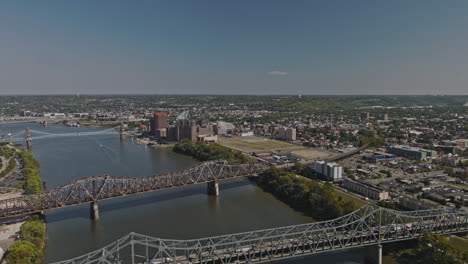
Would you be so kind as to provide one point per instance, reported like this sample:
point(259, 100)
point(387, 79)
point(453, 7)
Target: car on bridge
point(162, 260)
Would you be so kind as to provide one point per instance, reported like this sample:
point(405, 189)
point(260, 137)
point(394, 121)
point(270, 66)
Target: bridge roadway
point(93, 189)
point(29, 119)
point(369, 225)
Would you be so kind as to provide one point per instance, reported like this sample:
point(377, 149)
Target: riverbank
point(321, 202)
point(25, 240)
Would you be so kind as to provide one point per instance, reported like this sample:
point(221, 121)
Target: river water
point(181, 213)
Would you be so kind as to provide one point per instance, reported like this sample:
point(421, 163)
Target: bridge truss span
point(103, 187)
point(369, 225)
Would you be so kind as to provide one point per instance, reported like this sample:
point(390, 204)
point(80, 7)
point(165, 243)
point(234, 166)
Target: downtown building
point(182, 129)
point(158, 125)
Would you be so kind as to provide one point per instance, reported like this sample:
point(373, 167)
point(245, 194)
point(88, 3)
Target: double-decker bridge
point(369, 225)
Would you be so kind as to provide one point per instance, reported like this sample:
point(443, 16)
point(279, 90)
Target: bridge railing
point(103, 187)
point(366, 226)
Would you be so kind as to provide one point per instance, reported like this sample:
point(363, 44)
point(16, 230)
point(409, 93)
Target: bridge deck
point(369, 225)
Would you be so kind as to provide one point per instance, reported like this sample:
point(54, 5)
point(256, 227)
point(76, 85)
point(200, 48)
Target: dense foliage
point(32, 233)
point(31, 170)
point(433, 248)
point(30, 249)
point(215, 151)
point(308, 196)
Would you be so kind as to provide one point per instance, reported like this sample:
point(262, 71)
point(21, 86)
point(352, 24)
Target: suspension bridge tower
point(122, 131)
point(28, 139)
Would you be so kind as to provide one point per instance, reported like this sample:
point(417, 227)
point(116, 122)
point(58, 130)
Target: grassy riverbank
point(30, 249)
point(31, 170)
point(320, 201)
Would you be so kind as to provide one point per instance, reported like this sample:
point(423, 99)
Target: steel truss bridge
point(93, 189)
point(369, 225)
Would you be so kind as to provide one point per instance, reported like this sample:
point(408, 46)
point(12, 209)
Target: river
point(181, 213)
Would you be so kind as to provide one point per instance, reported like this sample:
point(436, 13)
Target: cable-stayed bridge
point(369, 225)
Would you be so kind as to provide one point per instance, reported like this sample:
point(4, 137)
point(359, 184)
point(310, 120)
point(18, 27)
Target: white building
point(370, 191)
point(318, 166)
point(331, 170)
point(247, 134)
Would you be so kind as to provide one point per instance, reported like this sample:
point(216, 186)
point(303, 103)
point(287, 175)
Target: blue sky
point(234, 47)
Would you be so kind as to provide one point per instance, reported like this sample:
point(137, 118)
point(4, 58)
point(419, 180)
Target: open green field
point(347, 196)
point(253, 144)
point(459, 243)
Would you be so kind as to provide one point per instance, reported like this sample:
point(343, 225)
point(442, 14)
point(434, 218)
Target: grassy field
point(347, 196)
point(459, 243)
point(253, 144)
point(311, 154)
point(461, 186)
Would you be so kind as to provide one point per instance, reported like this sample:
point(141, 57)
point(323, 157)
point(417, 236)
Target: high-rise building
point(365, 116)
point(288, 134)
point(158, 124)
point(291, 134)
point(184, 129)
point(332, 171)
point(383, 117)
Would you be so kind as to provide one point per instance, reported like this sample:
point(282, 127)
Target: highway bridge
point(93, 189)
point(367, 226)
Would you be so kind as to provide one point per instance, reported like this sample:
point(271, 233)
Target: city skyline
point(241, 47)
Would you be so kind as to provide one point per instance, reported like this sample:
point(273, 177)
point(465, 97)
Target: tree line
point(214, 151)
point(319, 201)
point(30, 249)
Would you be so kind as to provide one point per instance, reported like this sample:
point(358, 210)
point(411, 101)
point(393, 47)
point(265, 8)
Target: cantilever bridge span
point(369, 225)
point(93, 189)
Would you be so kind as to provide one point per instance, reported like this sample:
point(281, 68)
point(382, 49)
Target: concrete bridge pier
point(94, 210)
point(213, 188)
point(374, 255)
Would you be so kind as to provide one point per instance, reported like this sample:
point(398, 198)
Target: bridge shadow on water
point(82, 211)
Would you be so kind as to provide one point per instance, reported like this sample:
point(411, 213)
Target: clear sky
point(234, 47)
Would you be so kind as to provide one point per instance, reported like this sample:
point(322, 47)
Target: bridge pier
point(28, 139)
point(374, 255)
point(213, 188)
point(94, 210)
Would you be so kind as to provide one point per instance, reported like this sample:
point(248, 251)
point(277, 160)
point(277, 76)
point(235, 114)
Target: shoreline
point(16, 240)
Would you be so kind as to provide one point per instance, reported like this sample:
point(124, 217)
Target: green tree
point(298, 168)
point(24, 252)
point(433, 248)
point(34, 232)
